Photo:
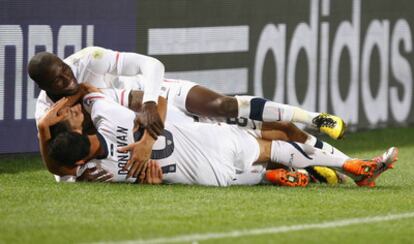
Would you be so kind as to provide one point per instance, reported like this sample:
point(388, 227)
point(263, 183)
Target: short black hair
point(67, 147)
point(62, 126)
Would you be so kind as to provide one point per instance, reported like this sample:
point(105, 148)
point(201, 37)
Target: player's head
point(69, 147)
point(68, 144)
point(52, 74)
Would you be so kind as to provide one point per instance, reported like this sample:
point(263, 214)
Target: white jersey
point(190, 153)
point(176, 92)
point(105, 68)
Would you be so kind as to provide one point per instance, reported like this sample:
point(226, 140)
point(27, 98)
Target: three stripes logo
point(204, 43)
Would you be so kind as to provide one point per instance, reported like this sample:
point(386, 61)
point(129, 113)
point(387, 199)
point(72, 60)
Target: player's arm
point(141, 150)
point(152, 71)
point(50, 118)
point(131, 64)
point(43, 103)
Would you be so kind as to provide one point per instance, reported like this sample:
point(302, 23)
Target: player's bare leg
point(203, 101)
point(273, 131)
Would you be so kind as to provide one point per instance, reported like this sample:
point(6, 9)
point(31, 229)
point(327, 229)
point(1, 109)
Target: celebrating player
point(194, 153)
point(106, 68)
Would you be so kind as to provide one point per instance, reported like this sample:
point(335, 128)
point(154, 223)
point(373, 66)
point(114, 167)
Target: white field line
point(270, 230)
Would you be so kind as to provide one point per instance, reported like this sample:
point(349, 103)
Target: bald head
point(41, 67)
point(51, 74)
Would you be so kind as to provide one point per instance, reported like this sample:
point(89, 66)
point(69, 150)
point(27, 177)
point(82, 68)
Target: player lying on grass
point(191, 153)
point(270, 131)
point(106, 68)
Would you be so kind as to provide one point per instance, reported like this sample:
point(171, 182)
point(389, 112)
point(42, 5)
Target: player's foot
point(391, 155)
point(319, 174)
point(384, 162)
point(283, 177)
point(359, 168)
point(331, 125)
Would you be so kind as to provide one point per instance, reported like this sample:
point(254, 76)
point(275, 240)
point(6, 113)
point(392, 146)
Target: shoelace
point(323, 120)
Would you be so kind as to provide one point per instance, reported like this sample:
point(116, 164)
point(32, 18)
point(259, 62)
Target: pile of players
point(112, 116)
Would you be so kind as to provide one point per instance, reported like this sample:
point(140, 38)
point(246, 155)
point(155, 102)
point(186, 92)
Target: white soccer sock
point(243, 103)
point(315, 142)
point(311, 140)
point(303, 116)
point(299, 155)
point(268, 111)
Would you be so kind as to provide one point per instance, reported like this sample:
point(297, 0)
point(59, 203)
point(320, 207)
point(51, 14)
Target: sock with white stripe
point(268, 111)
point(299, 155)
point(315, 142)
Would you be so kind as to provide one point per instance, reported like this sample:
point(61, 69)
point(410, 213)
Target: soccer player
point(193, 153)
point(101, 68)
point(105, 68)
point(270, 131)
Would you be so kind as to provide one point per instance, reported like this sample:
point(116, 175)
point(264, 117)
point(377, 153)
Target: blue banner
point(352, 58)
point(61, 27)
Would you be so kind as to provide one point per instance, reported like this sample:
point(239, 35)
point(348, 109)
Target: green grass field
point(36, 209)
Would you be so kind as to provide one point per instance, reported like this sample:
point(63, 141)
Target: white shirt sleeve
point(43, 103)
point(130, 64)
point(151, 70)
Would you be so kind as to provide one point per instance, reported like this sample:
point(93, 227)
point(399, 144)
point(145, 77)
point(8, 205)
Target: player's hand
point(140, 155)
point(56, 113)
point(150, 119)
point(95, 174)
point(153, 174)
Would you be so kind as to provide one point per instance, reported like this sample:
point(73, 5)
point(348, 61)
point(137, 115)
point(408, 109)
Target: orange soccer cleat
point(283, 177)
point(359, 167)
point(366, 171)
point(384, 162)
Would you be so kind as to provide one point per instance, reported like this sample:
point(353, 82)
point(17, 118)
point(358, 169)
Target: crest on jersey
point(97, 54)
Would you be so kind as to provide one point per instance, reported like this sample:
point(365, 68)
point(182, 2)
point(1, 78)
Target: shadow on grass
point(16, 163)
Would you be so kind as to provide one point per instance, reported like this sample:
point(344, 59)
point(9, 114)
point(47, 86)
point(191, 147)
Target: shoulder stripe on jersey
point(93, 97)
point(87, 101)
point(122, 97)
point(107, 131)
point(171, 80)
point(116, 58)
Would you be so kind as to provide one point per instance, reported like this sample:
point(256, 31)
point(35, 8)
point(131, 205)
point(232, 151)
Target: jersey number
point(167, 150)
point(242, 122)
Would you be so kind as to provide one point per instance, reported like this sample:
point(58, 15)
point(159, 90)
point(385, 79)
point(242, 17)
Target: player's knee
point(293, 132)
point(226, 106)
